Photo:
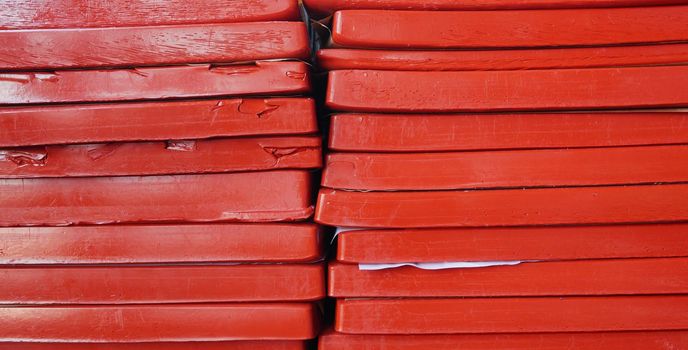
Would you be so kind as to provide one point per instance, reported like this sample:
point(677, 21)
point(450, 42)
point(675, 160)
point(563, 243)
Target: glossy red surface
point(513, 207)
point(554, 278)
point(462, 132)
point(171, 120)
point(149, 46)
point(394, 91)
point(261, 78)
point(161, 244)
point(218, 345)
point(162, 158)
point(246, 197)
point(459, 60)
point(118, 13)
point(161, 284)
point(511, 315)
point(513, 243)
point(385, 29)
point(506, 169)
point(159, 323)
point(655, 340)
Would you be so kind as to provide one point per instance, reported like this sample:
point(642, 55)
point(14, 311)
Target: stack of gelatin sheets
point(155, 162)
point(508, 178)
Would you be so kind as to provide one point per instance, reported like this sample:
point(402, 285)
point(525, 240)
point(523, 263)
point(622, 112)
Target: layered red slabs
point(171, 120)
point(397, 91)
point(507, 29)
point(656, 340)
point(214, 345)
point(261, 78)
point(505, 169)
point(513, 243)
point(511, 207)
point(247, 197)
point(161, 244)
point(159, 323)
point(511, 315)
point(31, 14)
point(148, 46)
point(463, 132)
point(160, 158)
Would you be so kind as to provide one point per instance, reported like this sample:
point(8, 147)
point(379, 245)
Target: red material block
point(172, 120)
point(246, 197)
point(329, 6)
point(122, 13)
point(511, 315)
point(223, 345)
point(161, 284)
point(554, 278)
point(261, 78)
point(506, 169)
point(149, 46)
point(412, 133)
point(385, 29)
point(159, 323)
point(458, 60)
point(394, 91)
point(514, 207)
point(161, 244)
point(162, 158)
point(513, 243)
point(656, 340)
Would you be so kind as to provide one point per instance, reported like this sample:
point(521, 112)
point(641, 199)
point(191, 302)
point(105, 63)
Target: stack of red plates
point(155, 176)
point(528, 162)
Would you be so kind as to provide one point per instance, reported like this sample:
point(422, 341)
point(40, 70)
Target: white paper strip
point(440, 265)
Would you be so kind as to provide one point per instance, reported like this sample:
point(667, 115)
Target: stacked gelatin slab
point(509, 178)
point(155, 176)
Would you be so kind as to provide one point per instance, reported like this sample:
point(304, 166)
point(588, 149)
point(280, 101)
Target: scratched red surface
point(511, 207)
point(261, 78)
point(159, 323)
point(148, 46)
point(526, 315)
point(459, 60)
point(162, 158)
point(381, 29)
point(161, 284)
point(656, 340)
point(513, 243)
point(116, 244)
point(246, 197)
point(171, 120)
point(461, 132)
point(121, 13)
point(556, 89)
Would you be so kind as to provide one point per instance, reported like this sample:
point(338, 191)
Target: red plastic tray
point(513, 207)
point(462, 132)
point(162, 158)
point(655, 340)
point(171, 120)
point(150, 46)
point(248, 197)
point(558, 89)
point(458, 60)
point(161, 244)
point(159, 323)
point(161, 284)
point(25, 14)
point(511, 315)
point(389, 29)
point(261, 78)
point(220, 345)
point(513, 243)
point(329, 6)
point(506, 169)
point(554, 278)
